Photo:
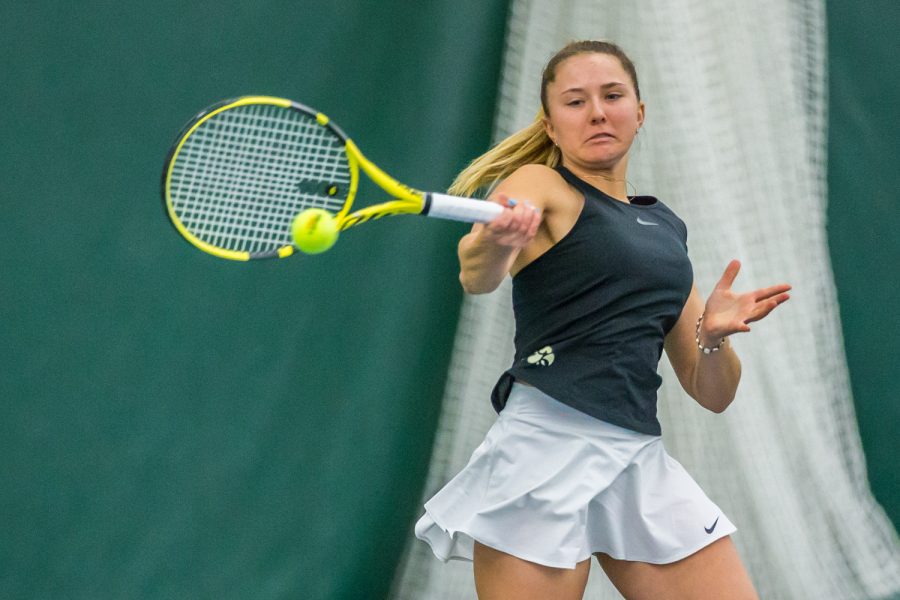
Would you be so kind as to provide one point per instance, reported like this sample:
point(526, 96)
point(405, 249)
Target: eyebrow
point(602, 87)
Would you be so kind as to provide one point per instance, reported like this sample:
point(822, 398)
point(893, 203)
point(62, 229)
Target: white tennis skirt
point(552, 485)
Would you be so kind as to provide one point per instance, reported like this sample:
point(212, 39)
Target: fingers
point(505, 220)
point(535, 222)
point(516, 225)
point(764, 308)
point(768, 299)
point(728, 277)
point(516, 218)
point(768, 292)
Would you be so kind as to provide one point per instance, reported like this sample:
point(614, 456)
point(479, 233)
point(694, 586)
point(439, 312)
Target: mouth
point(600, 137)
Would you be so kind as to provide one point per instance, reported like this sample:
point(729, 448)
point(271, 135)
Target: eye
point(575, 102)
point(613, 96)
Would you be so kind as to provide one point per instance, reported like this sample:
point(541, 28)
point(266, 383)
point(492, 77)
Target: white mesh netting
point(734, 142)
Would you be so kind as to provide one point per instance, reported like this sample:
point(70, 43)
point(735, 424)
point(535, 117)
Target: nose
point(597, 113)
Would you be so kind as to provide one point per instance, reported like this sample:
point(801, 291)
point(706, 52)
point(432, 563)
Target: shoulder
point(541, 185)
point(673, 217)
point(534, 173)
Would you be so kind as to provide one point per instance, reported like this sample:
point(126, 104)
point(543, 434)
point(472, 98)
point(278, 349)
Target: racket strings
point(243, 174)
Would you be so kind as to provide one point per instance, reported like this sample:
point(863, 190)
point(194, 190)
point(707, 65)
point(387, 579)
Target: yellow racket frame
point(405, 200)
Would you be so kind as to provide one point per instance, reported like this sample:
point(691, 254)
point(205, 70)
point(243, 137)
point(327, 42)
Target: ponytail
point(530, 145)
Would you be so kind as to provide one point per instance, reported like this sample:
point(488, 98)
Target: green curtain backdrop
point(176, 426)
point(864, 222)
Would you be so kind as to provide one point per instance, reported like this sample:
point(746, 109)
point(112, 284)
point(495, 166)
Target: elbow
point(717, 404)
point(464, 282)
point(717, 391)
point(718, 408)
point(713, 400)
point(472, 285)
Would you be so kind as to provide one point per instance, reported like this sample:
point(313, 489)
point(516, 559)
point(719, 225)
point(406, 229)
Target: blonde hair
point(531, 145)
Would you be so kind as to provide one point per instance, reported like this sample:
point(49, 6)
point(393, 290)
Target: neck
point(609, 181)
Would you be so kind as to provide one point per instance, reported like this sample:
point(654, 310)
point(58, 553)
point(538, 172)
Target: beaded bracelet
point(704, 349)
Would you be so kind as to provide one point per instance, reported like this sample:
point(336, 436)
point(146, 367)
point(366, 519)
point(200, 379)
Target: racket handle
point(454, 208)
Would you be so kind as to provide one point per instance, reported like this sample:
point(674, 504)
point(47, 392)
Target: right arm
point(491, 250)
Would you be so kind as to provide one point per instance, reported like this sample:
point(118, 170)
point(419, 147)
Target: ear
point(548, 128)
point(640, 115)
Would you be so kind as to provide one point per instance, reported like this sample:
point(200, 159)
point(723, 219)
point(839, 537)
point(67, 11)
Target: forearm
point(716, 378)
point(482, 263)
point(488, 253)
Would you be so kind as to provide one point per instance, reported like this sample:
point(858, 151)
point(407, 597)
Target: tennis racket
point(240, 171)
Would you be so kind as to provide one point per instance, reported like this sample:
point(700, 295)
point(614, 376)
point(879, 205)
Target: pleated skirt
point(553, 486)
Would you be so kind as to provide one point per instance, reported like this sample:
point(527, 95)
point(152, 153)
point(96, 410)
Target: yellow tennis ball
point(314, 230)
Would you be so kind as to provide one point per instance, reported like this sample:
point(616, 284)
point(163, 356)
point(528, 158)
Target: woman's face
point(594, 111)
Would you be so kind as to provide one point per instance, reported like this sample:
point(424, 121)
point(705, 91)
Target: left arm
point(712, 379)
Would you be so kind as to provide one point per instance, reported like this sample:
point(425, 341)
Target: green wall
point(864, 222)
point(176, 426)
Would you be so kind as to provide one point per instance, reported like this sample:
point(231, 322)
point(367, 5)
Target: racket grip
point(442, 206)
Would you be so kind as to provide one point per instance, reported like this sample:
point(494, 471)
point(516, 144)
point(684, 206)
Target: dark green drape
point(864, 222)
point(176, 426)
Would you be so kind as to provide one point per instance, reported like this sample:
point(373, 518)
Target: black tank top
point(592, 312)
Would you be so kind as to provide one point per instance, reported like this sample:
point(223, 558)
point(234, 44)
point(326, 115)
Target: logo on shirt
point(712, 527)
point(543, 357)
point(642, 222)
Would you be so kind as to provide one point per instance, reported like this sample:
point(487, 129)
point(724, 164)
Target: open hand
point(728, 312)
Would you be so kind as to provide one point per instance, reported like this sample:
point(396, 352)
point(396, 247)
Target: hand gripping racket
point(240, 171)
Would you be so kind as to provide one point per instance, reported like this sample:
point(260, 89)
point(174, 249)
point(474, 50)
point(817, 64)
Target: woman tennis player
point(574, 466)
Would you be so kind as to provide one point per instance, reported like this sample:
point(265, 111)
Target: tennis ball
point(314, 230)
